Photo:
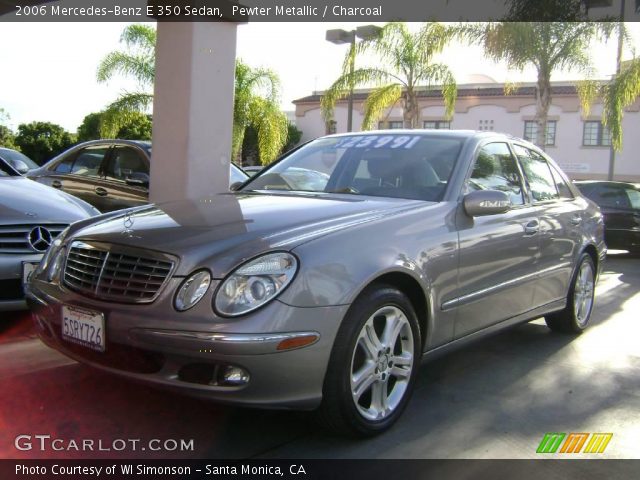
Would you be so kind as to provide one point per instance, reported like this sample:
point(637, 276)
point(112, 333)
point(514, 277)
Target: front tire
point(576, 315)
point(373, 364)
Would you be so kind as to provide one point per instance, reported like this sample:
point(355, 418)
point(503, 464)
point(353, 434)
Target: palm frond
point(439, 74)
point(271, 125)
point(341, 87)
point(140, 36)
point(120, 111)
point(141, 67)
point(588, 91)
point(621, 92)
point(378, 102)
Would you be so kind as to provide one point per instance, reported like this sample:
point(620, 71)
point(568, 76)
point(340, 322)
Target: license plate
point(83, 327)
point(27, 270)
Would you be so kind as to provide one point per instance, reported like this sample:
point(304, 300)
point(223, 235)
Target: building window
point(436, 125)
point(332, 127)
point(531, 131)
point(485, 125)
point(392, 125)
point(595, 134)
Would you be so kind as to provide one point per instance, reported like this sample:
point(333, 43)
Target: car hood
point(221, 231)
point(25, 201)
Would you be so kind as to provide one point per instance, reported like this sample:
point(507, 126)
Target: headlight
point(192, 290)
point(55, 264)
point(255, 283)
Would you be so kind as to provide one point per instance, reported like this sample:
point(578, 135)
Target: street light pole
point(352, 67)
point(338, 36)
point(612, 152)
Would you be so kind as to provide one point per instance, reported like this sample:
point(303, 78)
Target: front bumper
point(181, 350)
point(11, 291)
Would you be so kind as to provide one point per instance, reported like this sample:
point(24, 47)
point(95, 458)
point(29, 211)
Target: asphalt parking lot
point(494, 399)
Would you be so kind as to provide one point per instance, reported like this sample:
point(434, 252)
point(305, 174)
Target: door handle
point(576, 220)
point(56, 184)
point(532, 227)
point(101, 191)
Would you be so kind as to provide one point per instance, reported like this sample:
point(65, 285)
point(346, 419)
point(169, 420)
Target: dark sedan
point(108, 174)
point(620, 204)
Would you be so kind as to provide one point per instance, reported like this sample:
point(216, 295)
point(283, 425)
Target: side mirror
point(20, 166)
point(138, 179)
point(235, 186)
point(486, 202)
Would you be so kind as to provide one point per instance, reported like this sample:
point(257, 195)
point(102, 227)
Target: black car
point(620, 204)
point(17, 160)
point(108, 174)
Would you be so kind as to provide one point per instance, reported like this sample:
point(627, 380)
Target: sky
point(49, 69)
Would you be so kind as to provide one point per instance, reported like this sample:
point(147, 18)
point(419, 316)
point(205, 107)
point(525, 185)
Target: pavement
point(493, 399)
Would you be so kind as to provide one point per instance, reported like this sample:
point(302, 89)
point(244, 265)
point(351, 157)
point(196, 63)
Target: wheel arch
point(412, 288)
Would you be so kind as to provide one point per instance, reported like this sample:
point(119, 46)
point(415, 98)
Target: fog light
point(234, 376)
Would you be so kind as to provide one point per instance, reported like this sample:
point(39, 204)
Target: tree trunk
point(543, 102)
point(411, 114)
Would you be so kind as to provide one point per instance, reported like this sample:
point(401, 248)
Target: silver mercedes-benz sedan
point(31, 216)
point(327, 298)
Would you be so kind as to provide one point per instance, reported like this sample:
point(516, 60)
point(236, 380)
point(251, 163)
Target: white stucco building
point(580, 144)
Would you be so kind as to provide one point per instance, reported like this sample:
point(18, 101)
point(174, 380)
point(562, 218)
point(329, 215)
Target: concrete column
point(192, 109)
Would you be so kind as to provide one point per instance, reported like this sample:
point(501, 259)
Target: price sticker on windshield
point(379, 141)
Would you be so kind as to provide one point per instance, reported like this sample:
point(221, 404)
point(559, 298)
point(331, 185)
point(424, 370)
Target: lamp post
point(339, 37)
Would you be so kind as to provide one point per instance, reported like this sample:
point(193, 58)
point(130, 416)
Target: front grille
point(103, 272)
point(15, 238)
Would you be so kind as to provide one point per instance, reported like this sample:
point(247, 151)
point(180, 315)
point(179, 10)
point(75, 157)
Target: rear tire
point(576, 315)
point(373, 364)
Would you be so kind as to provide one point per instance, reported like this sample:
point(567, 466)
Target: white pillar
point(192, 109)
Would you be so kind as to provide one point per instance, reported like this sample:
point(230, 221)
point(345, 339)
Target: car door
point(126, 178)
point(80, 173)
point(560, 215)
point(498, 253)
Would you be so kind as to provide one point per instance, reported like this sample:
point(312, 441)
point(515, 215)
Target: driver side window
point(496, 169)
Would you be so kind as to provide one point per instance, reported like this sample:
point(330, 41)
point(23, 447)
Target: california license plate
point(27, 270)
point(83, 327)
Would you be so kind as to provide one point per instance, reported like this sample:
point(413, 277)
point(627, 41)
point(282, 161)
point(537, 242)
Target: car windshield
point(411, 166)
point(13, 155)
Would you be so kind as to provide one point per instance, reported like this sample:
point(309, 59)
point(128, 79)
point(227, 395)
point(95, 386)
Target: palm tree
point(139, 62)
point(255, 102)
point(547, 46)
point(405, 67)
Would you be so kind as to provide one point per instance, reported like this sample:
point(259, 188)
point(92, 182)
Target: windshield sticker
point(379, 141)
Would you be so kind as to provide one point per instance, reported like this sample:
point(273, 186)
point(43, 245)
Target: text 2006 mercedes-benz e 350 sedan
point(327, 298)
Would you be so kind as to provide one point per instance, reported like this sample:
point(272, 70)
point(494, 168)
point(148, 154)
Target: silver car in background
point(327, 298)
point(31, 217)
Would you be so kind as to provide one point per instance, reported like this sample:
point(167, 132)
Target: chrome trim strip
point(473, 296)
point(232, 338)
point(219, 343)
point(104, 264)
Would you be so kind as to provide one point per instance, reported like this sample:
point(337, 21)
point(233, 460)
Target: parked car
point(17, 160)
point(31, 217)
point(329, 299)
point(108, 174)
point(620, 205)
